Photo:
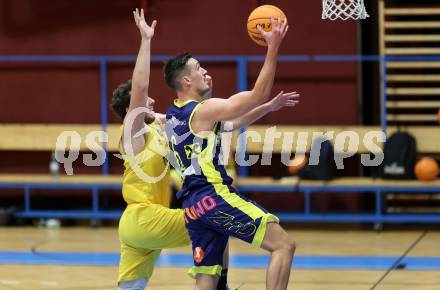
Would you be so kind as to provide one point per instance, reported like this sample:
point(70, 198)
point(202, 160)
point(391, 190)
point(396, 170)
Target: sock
point(223, 281)
point(138, 284)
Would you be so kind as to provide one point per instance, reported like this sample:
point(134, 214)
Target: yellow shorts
point(145, 229)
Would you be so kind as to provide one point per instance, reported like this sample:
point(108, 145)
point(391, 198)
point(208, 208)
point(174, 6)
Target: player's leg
point(153, 227)
point(208, 251)
point(235, 215)
point(135, 267)
point(137, 261)
point(206, 282)
point(223, 280)
point(177, 235)
point(208, 245)
point(268, 235)
point(271, 237)
point(281, 248)
point(157, 227)
point(138, 284)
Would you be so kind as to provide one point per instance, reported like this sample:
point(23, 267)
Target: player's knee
point(138, 284)
point(289, 245)
point(277, 239)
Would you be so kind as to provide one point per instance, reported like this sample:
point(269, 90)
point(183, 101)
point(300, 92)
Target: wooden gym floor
point(324, 260)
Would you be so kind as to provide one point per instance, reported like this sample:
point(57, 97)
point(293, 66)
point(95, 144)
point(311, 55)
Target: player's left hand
point(284, 100)
point(146, 31)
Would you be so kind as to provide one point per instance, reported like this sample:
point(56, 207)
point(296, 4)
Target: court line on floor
point(401, 262)
point(236, 261)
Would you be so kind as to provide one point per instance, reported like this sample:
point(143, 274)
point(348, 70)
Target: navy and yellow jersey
point(198, 158)
point(213, 209)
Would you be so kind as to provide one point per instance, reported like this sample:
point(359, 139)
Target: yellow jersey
point(146, 177)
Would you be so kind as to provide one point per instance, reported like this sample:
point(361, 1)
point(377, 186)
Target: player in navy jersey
point(214, 210)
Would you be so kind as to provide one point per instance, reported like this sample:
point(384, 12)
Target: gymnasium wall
point(70, 93)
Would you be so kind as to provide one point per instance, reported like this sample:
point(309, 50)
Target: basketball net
point(343, 9)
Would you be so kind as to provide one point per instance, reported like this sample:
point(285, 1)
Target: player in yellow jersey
point(147, 224)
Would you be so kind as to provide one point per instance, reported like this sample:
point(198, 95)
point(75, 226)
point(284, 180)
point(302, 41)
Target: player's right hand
point(276, 35)
point(284, 100)
point(147, 32)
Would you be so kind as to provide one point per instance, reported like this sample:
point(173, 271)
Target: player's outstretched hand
point(146, 31)
point(284, 100)
point(276, 35)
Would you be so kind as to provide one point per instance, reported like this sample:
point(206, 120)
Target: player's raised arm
point(139, 88)
point(280, 101)
point(215, 109)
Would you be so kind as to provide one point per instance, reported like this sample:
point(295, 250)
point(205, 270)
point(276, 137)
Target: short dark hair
point(121, 99)
point(174, 67)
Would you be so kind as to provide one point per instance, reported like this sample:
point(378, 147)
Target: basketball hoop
point(343, 9)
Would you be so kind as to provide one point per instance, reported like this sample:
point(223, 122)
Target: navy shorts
point(212, 214)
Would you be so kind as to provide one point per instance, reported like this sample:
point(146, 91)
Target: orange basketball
point(438, 116)
point(426, 169)
point(261, 16)
point(296, 164)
